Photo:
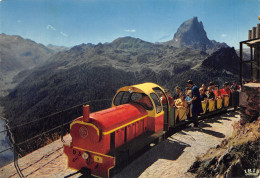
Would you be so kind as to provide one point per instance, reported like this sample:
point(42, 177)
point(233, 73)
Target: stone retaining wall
point(249, 102)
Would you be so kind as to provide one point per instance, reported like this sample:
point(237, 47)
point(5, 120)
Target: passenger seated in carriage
point(210, 94)
point(235, 87)
point(212, 85)
point(225, 90)
point(188, 99)
point(217, 93)
point(177, 94)
point(181, 107)
point(188, 96)
point(218, 97)
point(204, 87)
point(187, 89)
point(203, 96)
point(211, 99)
point(170, 99)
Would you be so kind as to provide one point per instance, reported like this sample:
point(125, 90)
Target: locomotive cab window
point(156, 102)
point(117, 100)
point(160, 93)
point(125, 97)
point(122, 98)
point(142, 99)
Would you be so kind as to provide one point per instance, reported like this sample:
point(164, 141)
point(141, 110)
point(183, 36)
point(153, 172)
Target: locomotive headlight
point(85, 155)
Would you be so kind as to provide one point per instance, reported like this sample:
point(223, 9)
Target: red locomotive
point(135, 110)
point(106, 139)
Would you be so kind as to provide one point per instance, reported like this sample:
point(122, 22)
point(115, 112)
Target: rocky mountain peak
point(191, 32)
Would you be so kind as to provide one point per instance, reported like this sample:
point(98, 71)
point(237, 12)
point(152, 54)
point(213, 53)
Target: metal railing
point(61, 128)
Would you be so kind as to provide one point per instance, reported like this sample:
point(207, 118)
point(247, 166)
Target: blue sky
point(72, 22)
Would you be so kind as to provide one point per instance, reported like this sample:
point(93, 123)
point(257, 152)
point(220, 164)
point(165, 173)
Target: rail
point(63, 124)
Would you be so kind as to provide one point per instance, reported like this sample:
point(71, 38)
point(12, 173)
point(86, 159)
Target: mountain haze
point(18, 54)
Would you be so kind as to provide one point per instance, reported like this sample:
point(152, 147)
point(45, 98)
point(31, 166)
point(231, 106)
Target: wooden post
point(251, 61)
point(256, 58)
point(256, 63)
point(241, 61)
point(253, 36)
point(249, 34)
point(258, 30)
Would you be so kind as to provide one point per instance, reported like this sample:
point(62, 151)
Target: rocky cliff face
point(191, 34)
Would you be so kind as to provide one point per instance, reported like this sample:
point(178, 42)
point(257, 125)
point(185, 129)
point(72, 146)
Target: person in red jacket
point(228, 90)
point(217, 92)
point(225, 90)
point(170, 99)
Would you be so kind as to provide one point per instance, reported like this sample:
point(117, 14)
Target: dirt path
point(173, 157)
point(170, 158)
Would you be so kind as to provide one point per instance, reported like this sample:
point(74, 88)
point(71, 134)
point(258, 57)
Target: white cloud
point(131, 31)
point(49, 27)
point(223, 35)
point(63, 34)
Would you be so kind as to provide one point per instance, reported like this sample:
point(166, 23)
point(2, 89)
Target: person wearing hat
point(196, 107)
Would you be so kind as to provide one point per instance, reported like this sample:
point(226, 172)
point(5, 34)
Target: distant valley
point(18, 54)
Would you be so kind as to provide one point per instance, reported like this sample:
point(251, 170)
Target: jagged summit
point(192, 34)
